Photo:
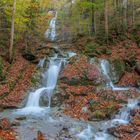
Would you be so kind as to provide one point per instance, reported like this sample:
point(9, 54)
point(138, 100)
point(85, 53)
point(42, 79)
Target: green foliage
point(91, 47)
point(117, 69)
point(96, 49)
point(130, 61)
point(35, 80)
point(32, 13)
point(4, 25)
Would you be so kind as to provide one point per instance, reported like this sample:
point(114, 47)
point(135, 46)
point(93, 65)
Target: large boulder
point(81, 71)
point(56, 99)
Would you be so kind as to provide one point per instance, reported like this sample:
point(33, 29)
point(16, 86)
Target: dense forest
point(69, 70)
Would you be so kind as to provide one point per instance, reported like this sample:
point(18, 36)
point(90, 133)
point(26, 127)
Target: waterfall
point(50, 77)
point(105, 66)
point(123, 116)
point(51, 31)
point(32, 106)
point(86, 134)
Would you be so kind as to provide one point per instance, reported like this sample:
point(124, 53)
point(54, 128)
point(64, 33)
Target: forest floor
point(18, 81)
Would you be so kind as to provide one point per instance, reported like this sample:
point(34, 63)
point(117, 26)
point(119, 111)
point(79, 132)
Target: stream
point(52, 122)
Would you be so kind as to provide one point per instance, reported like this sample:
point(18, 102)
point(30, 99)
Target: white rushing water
point(51, 31)
point(41, 62)
point(105, 66)
point(32, 106)
point(121, 118)
point(50, 77)
point(71, 54)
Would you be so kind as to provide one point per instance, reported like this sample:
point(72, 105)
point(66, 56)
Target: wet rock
point(21, 118)
point(117, 69)
point(56, 100)
point(15, 123)
point(44, 100)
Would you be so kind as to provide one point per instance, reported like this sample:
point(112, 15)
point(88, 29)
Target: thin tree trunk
point(95, 24)
point(106, 19)
point(133, 14)
point(92, 15)
point(125, 13)
point(12, 31)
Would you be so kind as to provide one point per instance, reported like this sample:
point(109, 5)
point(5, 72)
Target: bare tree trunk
point(125, 12)
point(95, 24)
point(12, 31)
point(133, 14)
point(106, 19)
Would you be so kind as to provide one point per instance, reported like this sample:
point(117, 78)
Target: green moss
point(4, 95)
point(94, 49)
point(117, 69)
point(110, 111)
point(105, 113)
point(99, 114)
point(12, 85)
point(35, 80)
point(91, 47)
point(108, 51)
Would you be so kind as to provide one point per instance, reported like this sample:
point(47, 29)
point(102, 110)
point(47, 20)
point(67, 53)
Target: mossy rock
point(71, 82)
point(35, 79)
point(110, 111)
point(98, 114)
point(106, 113)
point(117, 69)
